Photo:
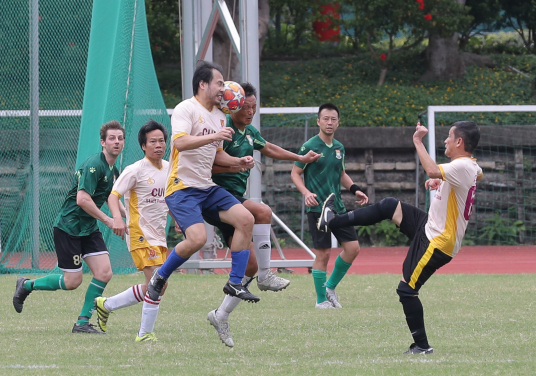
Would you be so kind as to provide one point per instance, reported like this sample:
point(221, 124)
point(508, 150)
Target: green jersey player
point(246, 139)
point(76, 235)
point(320, 179)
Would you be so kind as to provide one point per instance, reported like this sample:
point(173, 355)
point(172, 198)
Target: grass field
point(478, 325)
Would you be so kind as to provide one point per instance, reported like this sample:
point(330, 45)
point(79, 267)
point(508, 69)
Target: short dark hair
point(150, 126)
point(249, 89)
point(112, 124)
point(204, 72)
point(328, 106)
point(469, 132)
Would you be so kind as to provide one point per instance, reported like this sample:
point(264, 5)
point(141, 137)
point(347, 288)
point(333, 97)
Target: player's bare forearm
point(84, 200)
point(277, 152)
point(188, 142)
point(346, 181)
point(295, 176)
point(115, 206)
point(225, 160)
point(431, 168)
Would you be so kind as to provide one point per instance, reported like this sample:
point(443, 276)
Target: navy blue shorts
point(189, 205)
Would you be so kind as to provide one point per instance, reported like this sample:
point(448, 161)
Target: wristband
point(354, 188)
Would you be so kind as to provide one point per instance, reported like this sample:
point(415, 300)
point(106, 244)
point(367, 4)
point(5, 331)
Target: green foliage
point(350, 82)
point(164, 32)
point(484, 14)
point(501, 230)
point(389, 235)
point(521, 15)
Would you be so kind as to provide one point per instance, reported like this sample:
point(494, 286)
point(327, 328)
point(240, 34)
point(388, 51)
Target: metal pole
point(34, 121)
point(188, 48)
point(303, 199)
point(249, 47)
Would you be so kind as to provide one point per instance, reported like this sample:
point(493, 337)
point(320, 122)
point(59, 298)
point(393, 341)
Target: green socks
point(319, 278)
point(50, 282)
point(94, 290)
point(339, 271)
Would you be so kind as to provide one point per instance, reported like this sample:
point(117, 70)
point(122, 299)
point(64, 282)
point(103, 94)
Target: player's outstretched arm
point(188, 142)
point(431, 168)
point(277, 152)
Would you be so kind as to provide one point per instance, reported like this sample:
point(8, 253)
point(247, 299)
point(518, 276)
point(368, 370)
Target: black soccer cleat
point(240, 292)
point(20, 294)
point(414, 349)
point(86, 328)
point(327, 214)
point(155, 285)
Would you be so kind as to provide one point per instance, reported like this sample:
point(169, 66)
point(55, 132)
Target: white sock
point(263, 248)
point(227, 306)
point(131, 296)
point(148, 315)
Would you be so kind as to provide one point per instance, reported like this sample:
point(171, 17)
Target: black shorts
point(322, 240)
point(226, 229)
point(422, 259)
point(71, 250)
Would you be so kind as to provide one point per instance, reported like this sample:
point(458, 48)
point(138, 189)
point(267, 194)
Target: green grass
point(478, 325)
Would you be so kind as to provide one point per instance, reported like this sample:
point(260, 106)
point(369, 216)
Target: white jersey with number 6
point(143, 186)
point(452, 204)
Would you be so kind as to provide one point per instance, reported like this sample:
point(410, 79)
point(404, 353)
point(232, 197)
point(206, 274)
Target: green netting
point(110, 39)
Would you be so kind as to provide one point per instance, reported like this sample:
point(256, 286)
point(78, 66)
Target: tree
point(447, 18)
point(521, 15)
point(385, 20)
point(223, 52)
point(485, 14)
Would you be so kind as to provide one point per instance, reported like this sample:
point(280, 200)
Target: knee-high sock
point(339, 271)
point(239, 262)
point(319, 278)
point(132, 295)
point(229, 303)
point(171, 264)
point(263, 248)
point(149, 312)
point(94, 290)
point(51, 282)
point(415, 318)
point(368, 215)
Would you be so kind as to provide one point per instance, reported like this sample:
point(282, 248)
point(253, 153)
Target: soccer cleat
point(326, 304)
point(222, 327)
point(414, 349)
point(327, 213)
point(240, 292)
point(333, 298)
point(20, 294)
point(86, 328)
point(147, 337)
point(155, 285)
point(102, 313)
point(272, 283)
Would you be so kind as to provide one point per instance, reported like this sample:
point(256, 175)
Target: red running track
point(470, 260)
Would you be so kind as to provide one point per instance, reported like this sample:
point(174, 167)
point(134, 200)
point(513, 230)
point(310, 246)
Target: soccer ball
point(233, 97)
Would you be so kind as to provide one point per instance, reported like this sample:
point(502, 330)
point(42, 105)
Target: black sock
point(415, 318)
point(361, 217)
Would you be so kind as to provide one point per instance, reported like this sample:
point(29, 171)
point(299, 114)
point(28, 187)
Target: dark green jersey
point(323, 177)
point(242, 145)
point(96, 177)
